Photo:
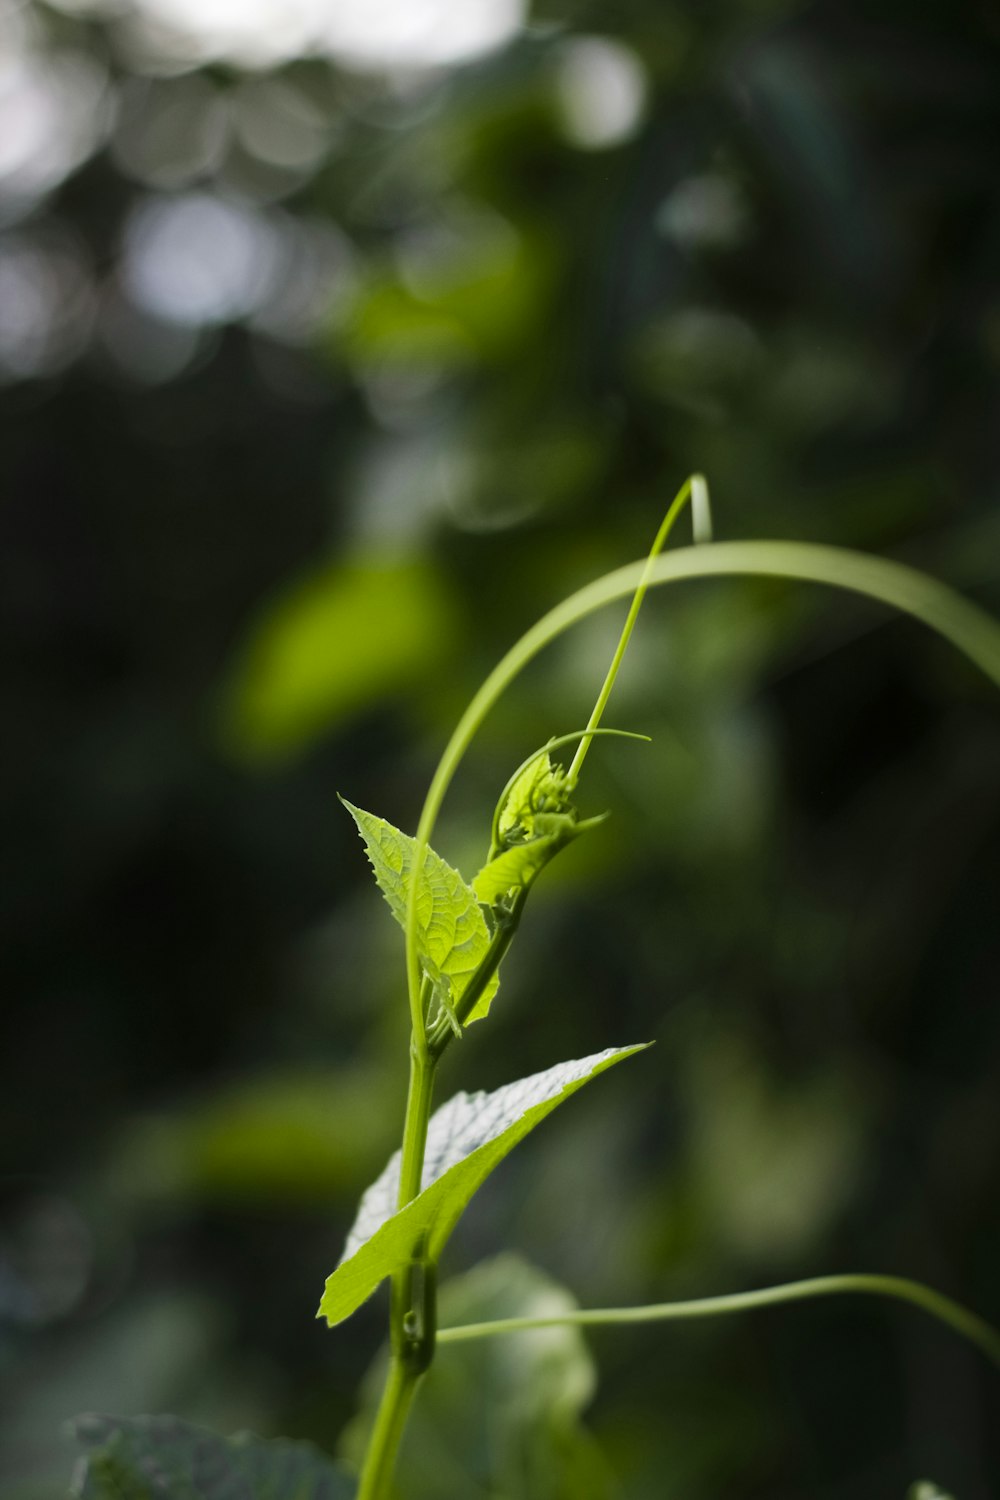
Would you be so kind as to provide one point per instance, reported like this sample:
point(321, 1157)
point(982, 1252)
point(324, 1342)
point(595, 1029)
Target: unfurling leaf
point(533, 821)
point(466, 1139)
point(539, 787)
point(516, 866)
point(163, 1458)
point(520, 863)
point(452, 935)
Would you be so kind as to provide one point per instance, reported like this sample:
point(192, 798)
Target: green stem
point(409, 1356)
point(959, 1318)
point(383, 1445)
point(418, 1113)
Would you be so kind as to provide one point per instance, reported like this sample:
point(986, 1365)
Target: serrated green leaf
point(452, 935)
point(163, 1458)
point(466, 1139)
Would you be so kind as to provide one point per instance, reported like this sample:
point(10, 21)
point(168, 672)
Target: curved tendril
point(701, 510)
point(695, 490)
point(968, 1324)
point(964, 624)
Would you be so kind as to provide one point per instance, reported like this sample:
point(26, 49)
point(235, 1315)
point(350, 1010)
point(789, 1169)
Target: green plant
point(456, 937)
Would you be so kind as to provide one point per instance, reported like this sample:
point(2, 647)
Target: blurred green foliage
point(500, 1417)
point(289, 344)
point(340, 640)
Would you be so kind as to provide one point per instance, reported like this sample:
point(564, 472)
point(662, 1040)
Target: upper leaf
point(452, 935)
point(466, 1139)
point(163, 1458)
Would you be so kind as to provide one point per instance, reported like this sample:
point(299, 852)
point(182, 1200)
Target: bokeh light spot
point(600, 91)
point(198, 259)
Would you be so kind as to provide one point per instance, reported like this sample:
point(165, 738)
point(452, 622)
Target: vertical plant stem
point(406, 1362)
point(418, 1113)
point(383, 1445)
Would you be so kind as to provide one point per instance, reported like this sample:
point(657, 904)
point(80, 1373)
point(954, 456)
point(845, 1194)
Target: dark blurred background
point(338, 341)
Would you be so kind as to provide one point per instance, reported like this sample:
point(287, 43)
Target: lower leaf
point(466, 1139)
point(164, 1458)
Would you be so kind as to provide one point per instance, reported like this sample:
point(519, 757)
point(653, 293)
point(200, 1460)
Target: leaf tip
point(636, 1047)
point(323, 1312)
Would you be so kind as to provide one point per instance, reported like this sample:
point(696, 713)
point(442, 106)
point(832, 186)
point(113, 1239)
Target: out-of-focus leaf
point(163, 1458)
point(338, 641)
point(452, 936)
point(466, 1139)
point(294, 1136)
point(500, 1417)
point(774, 1167)
point(469, 300)
point(136, 1355)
